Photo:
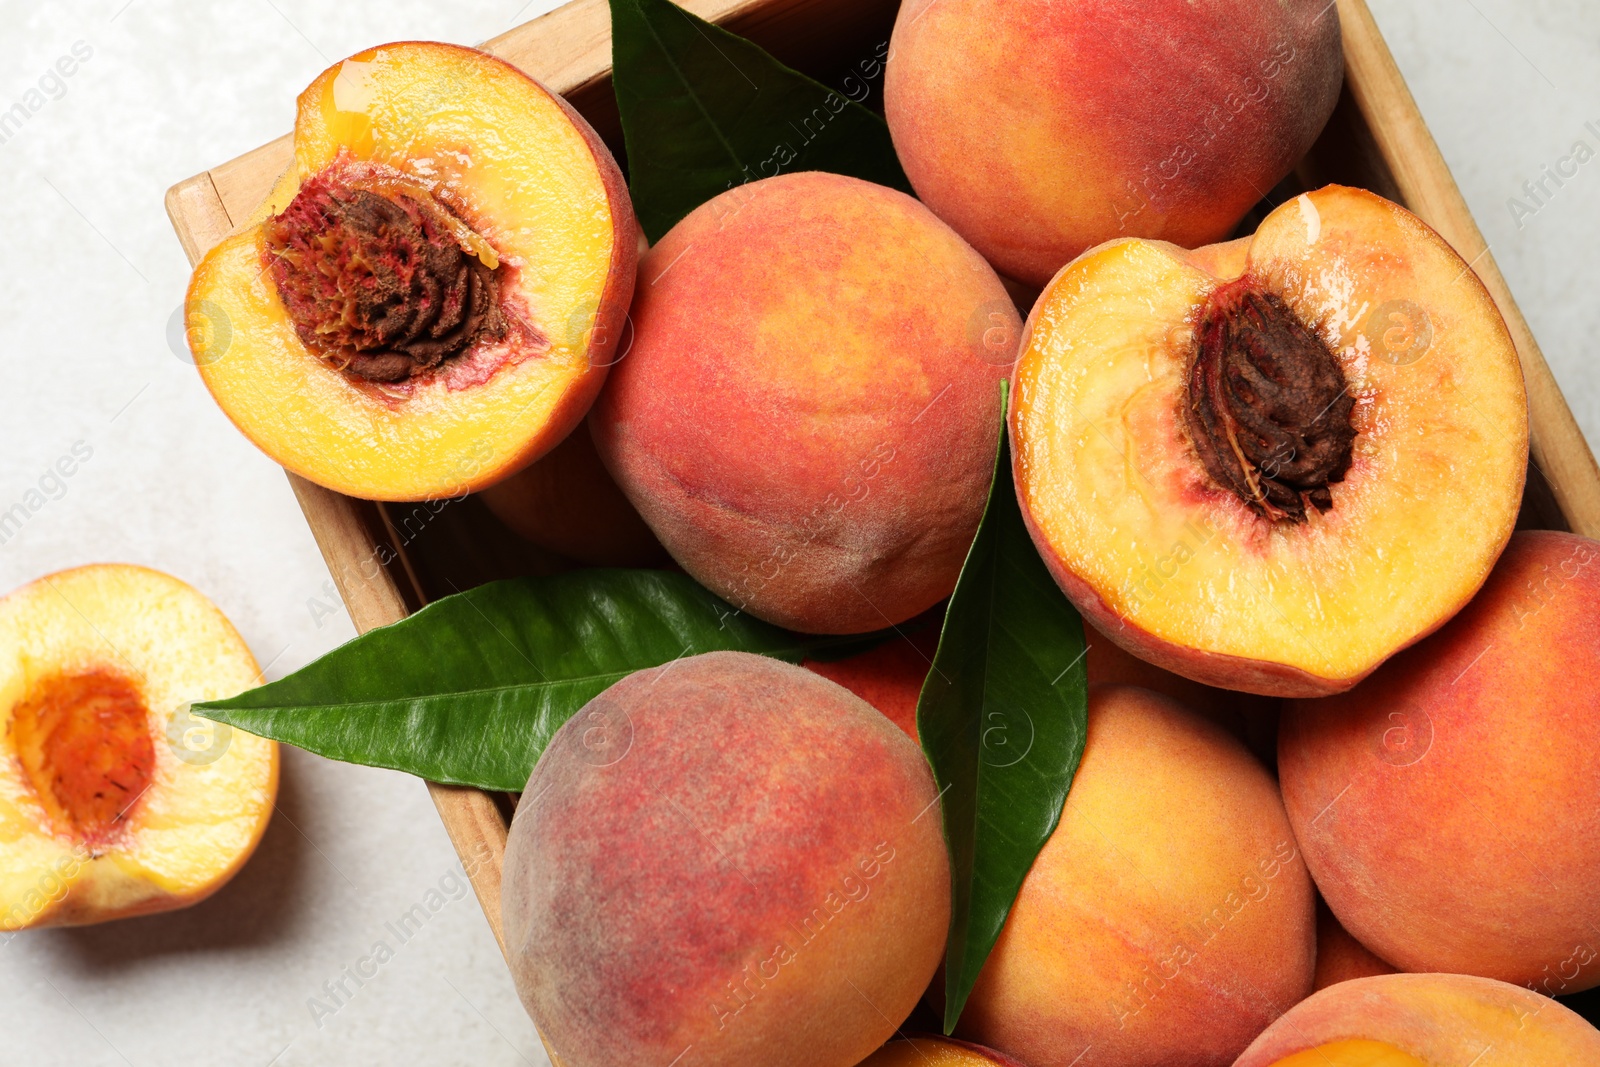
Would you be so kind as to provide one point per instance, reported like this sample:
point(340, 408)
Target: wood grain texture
point(1377, 139)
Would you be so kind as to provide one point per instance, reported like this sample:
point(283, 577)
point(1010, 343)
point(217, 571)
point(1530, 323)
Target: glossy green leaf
point(1003, 717)
point(469, 690)
point(704, 110)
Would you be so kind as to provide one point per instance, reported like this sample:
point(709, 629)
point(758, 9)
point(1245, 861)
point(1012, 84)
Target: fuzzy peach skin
point(530, 177)
point(936, 1052)
point(1179, 570)
point(1038, 128)
point(890, 676)
point(1251, 718)
point(115, 801)
point(1426, 1020)
point(806, 417)
point(1168, 919)
point(1341, 957)
point(725, 861)
point(1447, 805)
point(567, 503)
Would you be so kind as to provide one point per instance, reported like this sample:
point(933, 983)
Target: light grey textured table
point(90, 275)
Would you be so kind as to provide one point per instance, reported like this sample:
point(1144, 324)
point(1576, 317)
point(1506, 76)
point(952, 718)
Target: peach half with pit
point(115, 800)
point(1038, 128)
point(432, 295)
point(1425, 1020)
point(1271, 481)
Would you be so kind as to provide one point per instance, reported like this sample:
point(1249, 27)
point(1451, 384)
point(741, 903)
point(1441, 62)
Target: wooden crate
point(390, 559)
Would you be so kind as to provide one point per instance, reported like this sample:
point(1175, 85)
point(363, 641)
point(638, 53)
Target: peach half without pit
point(114, 800)
point(432, 295)
point(1271, 480)
point(807, 415)
point(1426, 1020)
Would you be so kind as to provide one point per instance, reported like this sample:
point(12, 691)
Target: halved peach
point(1426, 1020)
point(1272, 482)
point(430, 298)
point(114, 799)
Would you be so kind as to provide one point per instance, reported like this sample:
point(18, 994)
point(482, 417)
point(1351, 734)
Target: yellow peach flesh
point(521, 171)
point(209, 791)
point(1356, 1053)
point(1112, 485)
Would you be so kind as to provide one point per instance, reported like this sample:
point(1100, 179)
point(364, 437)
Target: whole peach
point(1341, 957)
point(1040, 128)
point(1169, 917)
point(723, 861)
point(809, 413)
point(936, 1052)
point(1446, 805)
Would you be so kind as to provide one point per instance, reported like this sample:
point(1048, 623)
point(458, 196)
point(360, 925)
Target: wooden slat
point(1559, 449)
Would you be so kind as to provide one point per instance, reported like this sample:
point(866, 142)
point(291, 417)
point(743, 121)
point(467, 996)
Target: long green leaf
point(704, 110)
point(1003, 717)
point(469, 690)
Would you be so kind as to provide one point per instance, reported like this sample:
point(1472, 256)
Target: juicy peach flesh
point(1431, 1020)
point(115, 800)
point(1186, 574)
point(1353, 1053)
point(84, 740)
point(532, 194)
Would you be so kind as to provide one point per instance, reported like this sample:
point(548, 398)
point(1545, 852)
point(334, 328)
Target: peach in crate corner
point(358, 379)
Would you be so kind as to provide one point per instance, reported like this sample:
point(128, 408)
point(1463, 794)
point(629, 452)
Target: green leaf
point(1003, 717)
point(704, 110)
point(469, 690)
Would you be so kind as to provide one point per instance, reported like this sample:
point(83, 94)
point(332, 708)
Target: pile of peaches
point(1337, 800)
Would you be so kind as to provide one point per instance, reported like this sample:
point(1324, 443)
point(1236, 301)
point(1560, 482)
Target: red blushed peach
point(430, 298)
point(1341, 957)
point(567, 503)
point(1039, 129)
point(1426, 1020)
point(1273, 479)
point(1446, 805)
point(1168, 919)
point(889, 676)
point(806, 416)
point(724, 861)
